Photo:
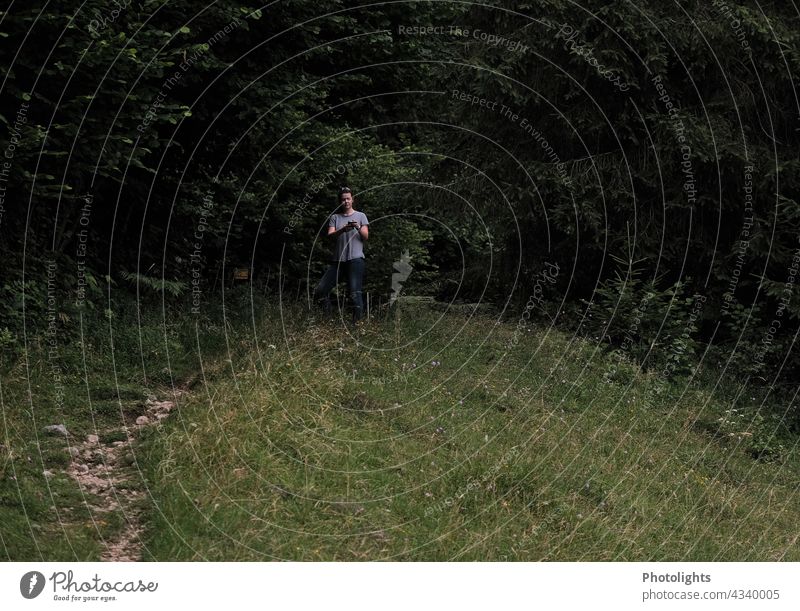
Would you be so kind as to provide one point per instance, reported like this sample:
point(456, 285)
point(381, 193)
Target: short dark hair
point(343, 190)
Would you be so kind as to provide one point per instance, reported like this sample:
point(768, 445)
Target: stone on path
point(56, 429)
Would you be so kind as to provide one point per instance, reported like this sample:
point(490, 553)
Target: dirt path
point(108, 473)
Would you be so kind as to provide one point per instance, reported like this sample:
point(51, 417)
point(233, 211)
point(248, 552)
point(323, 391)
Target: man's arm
point(332, 231)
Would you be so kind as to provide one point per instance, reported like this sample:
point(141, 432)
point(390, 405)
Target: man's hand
point(334, 232)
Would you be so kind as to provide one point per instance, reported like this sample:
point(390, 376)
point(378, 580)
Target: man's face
point(347, 201)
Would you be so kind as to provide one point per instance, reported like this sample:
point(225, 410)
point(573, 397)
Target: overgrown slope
point(436, 436)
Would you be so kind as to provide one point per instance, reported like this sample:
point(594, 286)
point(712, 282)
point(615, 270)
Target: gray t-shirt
point(349, 244)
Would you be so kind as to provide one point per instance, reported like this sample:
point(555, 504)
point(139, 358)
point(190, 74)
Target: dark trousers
point(353, 272)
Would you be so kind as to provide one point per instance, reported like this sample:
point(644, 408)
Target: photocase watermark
point(403, 269)
point(473, 484)
point(572, 44)
point(196, 258)
point(105, 18)
point(546, 276)
point(381, 382)
point(520, 546)
point(461, 32)
point(508, 113)
point(185, 65)
point(31, 584)
point(66, 588)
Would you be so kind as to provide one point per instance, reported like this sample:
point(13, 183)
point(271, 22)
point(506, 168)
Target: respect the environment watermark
point(743, 242)
point(171, 81)
point(525, 124)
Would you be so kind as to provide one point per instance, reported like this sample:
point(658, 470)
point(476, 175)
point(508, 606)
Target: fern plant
point(175, 288)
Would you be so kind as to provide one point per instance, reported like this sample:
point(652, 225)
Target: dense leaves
point(160, 144)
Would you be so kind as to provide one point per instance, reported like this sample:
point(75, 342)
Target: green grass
point(312, 444)
point(298, 440)
point(93, 386)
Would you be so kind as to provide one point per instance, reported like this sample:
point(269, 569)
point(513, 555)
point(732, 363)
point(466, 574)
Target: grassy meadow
point(429, 435)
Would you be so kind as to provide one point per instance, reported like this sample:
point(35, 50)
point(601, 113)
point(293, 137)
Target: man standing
point(350, 229)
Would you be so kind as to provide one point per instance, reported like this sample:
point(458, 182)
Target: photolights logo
point(31, 584)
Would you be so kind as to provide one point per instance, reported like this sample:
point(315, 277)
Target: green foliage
point(598, 166)
point(656, 327)
point(399, 239)
point(9, 347)
point(193, 139)
point(174, 288)
point(765, 436)
point(186, 140)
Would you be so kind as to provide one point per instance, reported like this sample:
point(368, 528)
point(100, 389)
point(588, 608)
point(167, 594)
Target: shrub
point(656, 327)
